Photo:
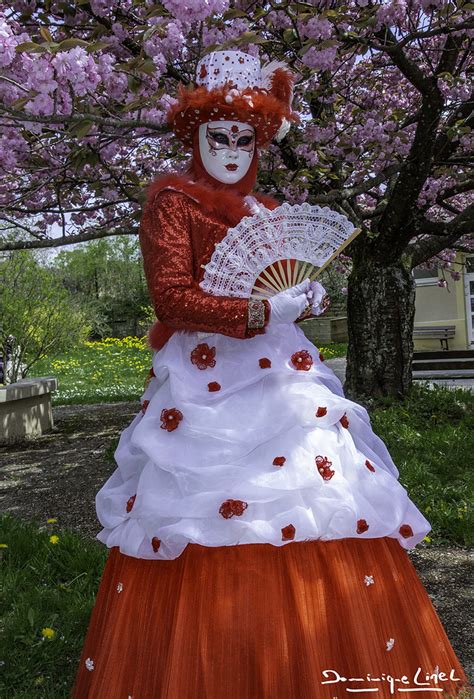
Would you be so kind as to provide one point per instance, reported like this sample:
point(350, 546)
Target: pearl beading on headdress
point(221, 67)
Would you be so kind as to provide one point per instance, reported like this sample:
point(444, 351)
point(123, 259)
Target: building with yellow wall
point(437, 306)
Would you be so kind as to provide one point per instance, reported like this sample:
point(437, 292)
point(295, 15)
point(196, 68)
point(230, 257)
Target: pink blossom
point(364, 120)
point(78, 68)
point(160, 63)
point(320, 60)
point(114, 82)
point(41, 105)
point(101, 8)
point(391, 13)
point(295, 196)
point(152, 45)
point(119, 31)
point(316, 28)
point(280, 20)
point(12, 147)
point(219, 34)
point(40, 74)
point(8, 44)
point(154, 114)
point(173, 42)
point(195, 10)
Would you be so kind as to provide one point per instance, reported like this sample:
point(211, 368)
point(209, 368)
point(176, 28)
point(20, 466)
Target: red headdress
point(231, 86)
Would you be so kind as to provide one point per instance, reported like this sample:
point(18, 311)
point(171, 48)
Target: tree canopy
point(37, 314)
point(382, 89)
point(106, 277)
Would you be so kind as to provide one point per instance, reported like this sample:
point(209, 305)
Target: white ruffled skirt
point(249, 441)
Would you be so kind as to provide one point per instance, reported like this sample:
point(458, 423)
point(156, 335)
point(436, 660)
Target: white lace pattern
point(302, 232)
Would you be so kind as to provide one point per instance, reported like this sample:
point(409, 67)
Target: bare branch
point(407, 67)
point(54, 119)
point(459, 188)
point(441, 235)
point(67, 240)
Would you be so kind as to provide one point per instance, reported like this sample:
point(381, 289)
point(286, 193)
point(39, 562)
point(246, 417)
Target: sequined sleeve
point(178, 299)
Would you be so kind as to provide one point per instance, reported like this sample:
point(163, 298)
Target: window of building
point(425, 277)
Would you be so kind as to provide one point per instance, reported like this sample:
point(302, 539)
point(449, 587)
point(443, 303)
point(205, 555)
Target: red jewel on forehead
point(235, 129)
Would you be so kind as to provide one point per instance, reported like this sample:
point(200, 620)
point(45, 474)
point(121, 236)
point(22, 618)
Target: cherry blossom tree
point(385, 134)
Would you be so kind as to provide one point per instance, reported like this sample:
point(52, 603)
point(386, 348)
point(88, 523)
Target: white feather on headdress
point(283, 130)
point(268, 72)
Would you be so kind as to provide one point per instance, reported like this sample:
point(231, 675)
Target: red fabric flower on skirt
point(155, 542)
point(279, 460)
point(362, 526)
point(131, 502)
point(170, 418)
point(321, 411)
point(344, 421)
point(323, 464)
point(229, 508)
point(214, 386)
point(302, 360)
point(145, 405)
point(203, 356)
point(321, 357)
point(264, 363)
point(288, 533)
point(369, 466)
point(406, 531)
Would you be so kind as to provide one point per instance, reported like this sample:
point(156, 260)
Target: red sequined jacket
point(182, 222)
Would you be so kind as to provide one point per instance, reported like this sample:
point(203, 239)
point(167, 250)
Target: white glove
point(288, 305)
point(319, 299)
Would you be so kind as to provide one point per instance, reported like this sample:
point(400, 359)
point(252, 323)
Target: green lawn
point(107, 371)
point(111, 370)
point(430, 437)
point(48, 589)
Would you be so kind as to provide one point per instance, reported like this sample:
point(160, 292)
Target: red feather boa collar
point(229, 206)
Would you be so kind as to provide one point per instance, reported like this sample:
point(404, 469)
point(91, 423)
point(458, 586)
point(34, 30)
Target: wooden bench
point(436, 332)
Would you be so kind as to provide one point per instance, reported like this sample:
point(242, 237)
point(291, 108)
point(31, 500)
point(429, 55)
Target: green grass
point(111, 370)
point(44, 585)
point(430, 437)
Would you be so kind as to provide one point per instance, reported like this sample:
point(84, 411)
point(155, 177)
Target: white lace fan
point(274, 250)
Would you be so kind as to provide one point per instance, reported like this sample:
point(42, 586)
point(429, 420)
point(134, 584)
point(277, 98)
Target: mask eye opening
point(244, 141)
point(220, 138)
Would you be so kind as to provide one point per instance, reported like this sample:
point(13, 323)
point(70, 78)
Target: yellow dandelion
point(54, 539)
point(39, 680)
point(427, 538)
point(3, 546)
point(51, 520)
point(48, 633)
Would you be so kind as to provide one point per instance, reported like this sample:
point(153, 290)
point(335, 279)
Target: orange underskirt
point(257, 621)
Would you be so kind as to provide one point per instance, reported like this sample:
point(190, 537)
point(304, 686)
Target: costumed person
point(256, 525)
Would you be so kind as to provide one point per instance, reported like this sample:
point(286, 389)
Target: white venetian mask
point(226, 149)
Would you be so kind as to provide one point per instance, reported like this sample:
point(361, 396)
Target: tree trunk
point(380, 310)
